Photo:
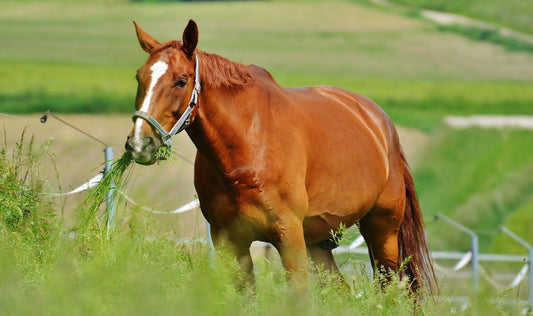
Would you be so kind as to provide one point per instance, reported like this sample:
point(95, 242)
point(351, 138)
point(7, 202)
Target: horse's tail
point(412, 240)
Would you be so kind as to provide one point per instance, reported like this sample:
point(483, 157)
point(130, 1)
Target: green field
point(75, 57)
point(81, 57)
point(514, 14)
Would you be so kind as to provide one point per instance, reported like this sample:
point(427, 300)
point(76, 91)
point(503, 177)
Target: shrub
point(24, 210)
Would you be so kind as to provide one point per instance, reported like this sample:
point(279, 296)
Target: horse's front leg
point(291, 247)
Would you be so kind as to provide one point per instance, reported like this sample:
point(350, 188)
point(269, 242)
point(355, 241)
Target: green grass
point(514, 14)
point(48, 269)
point(66, 88)
point(489, 35)
point(129, 273)
point(81, 57)
point(519, 222)
point(90, 211)
point(133, 276)
point(478, 177)
point(71, 88)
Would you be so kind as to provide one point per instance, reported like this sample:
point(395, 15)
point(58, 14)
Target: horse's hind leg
point(322, 258)
point(241, 251)
point(380, 229)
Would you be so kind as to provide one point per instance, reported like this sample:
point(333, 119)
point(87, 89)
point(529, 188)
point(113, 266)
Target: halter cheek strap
point(185, 119)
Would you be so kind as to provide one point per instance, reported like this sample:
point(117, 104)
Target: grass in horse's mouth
point(115, 178)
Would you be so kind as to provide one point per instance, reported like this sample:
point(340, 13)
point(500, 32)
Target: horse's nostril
point(149, 141)
point(128, 147)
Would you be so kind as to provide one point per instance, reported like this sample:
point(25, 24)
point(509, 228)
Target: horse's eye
point(181, 82)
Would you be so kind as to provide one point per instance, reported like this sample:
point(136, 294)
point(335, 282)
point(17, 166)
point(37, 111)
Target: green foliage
point(131, 275)
point(90, 208)
point(24, 212)
point(417, 103)
point(336, 235)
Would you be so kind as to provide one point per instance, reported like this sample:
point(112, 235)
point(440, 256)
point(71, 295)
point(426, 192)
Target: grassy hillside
point(478, 177)
point(80, 57)
point(513, 14)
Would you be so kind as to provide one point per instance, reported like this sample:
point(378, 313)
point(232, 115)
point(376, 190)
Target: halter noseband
point(185, 119)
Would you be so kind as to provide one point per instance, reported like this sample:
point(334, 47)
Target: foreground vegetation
point(48, 268)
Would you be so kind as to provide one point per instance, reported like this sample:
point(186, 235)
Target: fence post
point(474, 248)
point(110, 202)
point(529, 263)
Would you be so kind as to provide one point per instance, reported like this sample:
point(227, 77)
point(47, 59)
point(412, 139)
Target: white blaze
point(158, 70)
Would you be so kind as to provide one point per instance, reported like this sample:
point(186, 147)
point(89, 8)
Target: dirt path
point(490, 121)
point(445, 18)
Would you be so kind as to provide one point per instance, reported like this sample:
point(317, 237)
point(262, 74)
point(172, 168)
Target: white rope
point(84, 187)
point(183, 209)
point(96, 179)
point(357, 242)
point(351, 247)
point(514, 283)
point(187, 207)
point(463, 262)
point(458, 266)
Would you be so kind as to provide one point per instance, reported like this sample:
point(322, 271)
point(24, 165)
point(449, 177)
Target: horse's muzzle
point(142, 150)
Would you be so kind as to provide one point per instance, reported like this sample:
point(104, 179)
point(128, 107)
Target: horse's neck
point(222, 128)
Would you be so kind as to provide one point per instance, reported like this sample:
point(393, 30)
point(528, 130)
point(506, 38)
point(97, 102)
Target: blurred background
point(78, 59)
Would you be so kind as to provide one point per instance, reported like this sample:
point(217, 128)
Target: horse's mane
point(219, 72)
point(216, 71)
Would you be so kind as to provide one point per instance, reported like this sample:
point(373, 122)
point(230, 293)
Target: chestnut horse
point(285, 166)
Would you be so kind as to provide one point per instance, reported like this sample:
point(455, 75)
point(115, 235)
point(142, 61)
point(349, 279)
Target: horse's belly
point(345, 210)
point(342, 194)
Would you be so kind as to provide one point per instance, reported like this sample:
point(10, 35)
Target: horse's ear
point(190, 38)
point(147, 42)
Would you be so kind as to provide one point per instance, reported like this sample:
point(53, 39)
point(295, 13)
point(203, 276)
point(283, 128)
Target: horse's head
point(167, 91)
